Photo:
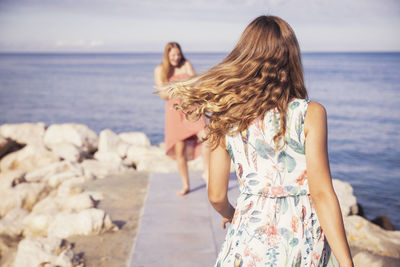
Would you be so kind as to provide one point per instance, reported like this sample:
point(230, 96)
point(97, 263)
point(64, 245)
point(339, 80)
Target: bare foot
point(183, 192)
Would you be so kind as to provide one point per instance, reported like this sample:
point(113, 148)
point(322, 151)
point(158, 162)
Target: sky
point(198, 25)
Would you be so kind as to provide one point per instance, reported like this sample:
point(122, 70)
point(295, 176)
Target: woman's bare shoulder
point(315, 116)
point(315, 108)
point(158, 68)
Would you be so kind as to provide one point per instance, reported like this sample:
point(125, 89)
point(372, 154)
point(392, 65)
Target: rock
point(72, 186)
point(160, 164)
point(86, 222)
point(55, 180)
point(136, 154)
point(384, 223)
point(78, 134)
point(5, 146)
point(96, 169)
point(38, 222)
point(44, 173)
point(110, 142)
point(24, 195)
point(347, 200)
point(29, 158)
point(12, 224)
point(135, 138)
point(360, 210)
point(49, 251)
point(24, 133)
point(196, 164)
point(110, 157)
point(367, 236)
point(365, 258)
point(8, 249)
point(67, 151)
point(9, 179)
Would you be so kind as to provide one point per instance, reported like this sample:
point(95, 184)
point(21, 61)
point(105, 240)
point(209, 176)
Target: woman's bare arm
point(320, 183)
point(220, 163)
point(189, 69)
point(159, 83)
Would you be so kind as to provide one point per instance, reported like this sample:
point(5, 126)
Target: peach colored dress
point(177, 128)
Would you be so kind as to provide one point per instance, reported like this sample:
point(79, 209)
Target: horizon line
point(186, 52)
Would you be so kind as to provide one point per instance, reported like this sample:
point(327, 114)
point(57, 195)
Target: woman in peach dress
point(181, 136)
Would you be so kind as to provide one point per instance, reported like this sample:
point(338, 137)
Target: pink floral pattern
point(275, 223)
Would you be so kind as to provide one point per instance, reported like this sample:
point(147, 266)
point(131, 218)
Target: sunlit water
point(360, 91)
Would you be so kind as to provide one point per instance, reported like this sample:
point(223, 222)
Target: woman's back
point(261, 169)
point(274, 214)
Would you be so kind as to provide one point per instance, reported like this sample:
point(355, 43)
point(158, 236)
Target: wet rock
point(24, 133)
point(77, 134)
point(384, 223)
point(347, 200)
point(29, 158)
point(364, 235)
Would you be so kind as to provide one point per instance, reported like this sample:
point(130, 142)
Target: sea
point(360, 91)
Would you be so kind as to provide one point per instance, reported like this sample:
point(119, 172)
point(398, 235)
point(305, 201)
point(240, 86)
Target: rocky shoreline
point(47, 208)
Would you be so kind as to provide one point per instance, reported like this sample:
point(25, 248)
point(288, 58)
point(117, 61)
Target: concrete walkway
point(179, 231)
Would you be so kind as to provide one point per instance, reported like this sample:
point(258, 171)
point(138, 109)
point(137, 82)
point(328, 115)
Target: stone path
point(179, 231)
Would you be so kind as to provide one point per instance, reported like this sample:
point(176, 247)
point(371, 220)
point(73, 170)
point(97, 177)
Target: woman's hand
point(225, 221)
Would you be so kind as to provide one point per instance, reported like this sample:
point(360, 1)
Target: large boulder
point(24, 133)
point(38, 222)
point(12, 224)
point(364, 235)
point(135, 138)
point(97, 169)
point(347, 200)
point(29, 158)
point(78, 134)
point(45, 173)
point(9, 179)
point(5, 145)
point(67, 151)
point(24, 195)
point(110, 142)
point(86, 222)
point(49, 251)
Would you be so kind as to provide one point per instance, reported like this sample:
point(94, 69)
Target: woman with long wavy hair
point(261, 120)
point(182, 137)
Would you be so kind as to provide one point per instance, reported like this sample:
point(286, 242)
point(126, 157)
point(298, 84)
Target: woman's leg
point(205, 153)
point(182, 167)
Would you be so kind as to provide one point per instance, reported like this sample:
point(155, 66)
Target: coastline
point(52, 176)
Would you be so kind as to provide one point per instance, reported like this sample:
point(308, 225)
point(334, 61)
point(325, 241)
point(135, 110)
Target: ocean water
point(360, 91)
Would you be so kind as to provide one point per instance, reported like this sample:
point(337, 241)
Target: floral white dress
point(275, 223)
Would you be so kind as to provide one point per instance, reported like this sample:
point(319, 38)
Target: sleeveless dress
point(275, 223)
point(177, 128)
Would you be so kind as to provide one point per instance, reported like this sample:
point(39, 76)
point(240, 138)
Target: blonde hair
point(167, 68)
point(262, 72)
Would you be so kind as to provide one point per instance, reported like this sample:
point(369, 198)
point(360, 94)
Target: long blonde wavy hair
point(262, 72)
point(167, 68)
